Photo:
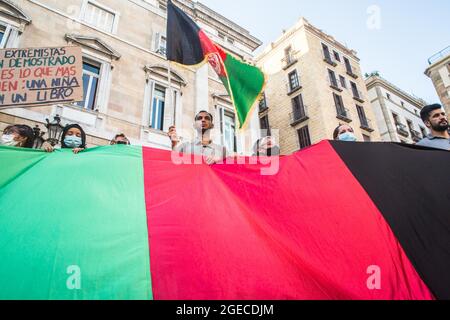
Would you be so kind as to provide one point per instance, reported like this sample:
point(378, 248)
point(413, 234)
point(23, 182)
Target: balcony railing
point(263, 105)
point(328, 58)
point(366, 125)
point(299, 116)
point(358, 95)
point(335, 84)
point(350, 71)
point(402, 130)
point(289, 61)
point(438, 56)
point(416, 136)
point(343, 114)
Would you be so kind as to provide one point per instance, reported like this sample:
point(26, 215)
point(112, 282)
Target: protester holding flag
point(188, 45)
point(203, 144)
point(73, 137)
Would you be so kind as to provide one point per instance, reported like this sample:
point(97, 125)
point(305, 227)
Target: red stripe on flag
point(216, 55)
point(310, 232)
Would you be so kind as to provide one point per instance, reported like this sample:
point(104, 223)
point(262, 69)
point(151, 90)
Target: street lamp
point(54, 130)
point(38, 137)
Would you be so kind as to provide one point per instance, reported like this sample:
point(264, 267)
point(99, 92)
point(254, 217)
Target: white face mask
point(8, 140)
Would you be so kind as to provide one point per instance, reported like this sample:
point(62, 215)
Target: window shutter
point(152, 93)
point(12, 38)
point(157, 41)
point(168, 109)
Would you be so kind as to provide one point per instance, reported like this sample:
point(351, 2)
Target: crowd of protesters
point(74, 137)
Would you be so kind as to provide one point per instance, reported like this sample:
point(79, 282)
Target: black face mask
point(122, 142)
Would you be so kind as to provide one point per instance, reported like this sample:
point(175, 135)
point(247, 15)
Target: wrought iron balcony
point(402, 130)
point(289, 61)
point(299, 116)
point(358, 95)
point(350, 71)
point(416, 136)
point(344, 115)
point(366, 125)
point(334, 84)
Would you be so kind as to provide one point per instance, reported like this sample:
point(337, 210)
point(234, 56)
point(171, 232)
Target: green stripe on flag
point(73, 220)
point(246, 84)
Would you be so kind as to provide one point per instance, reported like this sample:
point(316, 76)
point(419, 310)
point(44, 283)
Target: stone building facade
point(315, 83)
point(397, 112)
point(125, 74)
point(439, 72)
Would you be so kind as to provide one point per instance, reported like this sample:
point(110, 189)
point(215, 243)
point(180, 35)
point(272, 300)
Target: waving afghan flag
point(188, 45)
point(128, 223)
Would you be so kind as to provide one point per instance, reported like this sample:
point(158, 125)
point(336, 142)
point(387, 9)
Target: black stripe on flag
point(411, 188)
point(183, 41)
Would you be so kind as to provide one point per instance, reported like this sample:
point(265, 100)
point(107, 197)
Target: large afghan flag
point(188, 45)
point(336, 221)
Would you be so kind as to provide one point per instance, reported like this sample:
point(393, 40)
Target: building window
point(403, 104)
point(99, 16)
point(263, 103)
point(229, 131)
point(221, 35)
point(158, 108)
point(401, 128)
point(423, 131)
point(2, 34)
point(294, 82)
point(414, 134)
point(343, 82)
point(388, 96)
point(337, 56)
point(288, 54)
point(349, 68)
point(356, 93)
point(91, 79)
point(340, 108)
point(327, 55)
point(265, 126)
point(162, 5)
point(298, 110)
point(362, 117)
point(160, 44)
point(8, 36)
point(230, 40)
point(304, 137)
point(332, 78)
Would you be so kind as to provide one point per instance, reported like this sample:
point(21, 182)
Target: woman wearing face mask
point(73, 137)
point(20, 136)
point(344, 133)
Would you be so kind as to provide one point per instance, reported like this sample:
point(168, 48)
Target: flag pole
point(171, 93)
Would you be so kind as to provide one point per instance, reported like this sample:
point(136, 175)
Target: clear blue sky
point(409, 31)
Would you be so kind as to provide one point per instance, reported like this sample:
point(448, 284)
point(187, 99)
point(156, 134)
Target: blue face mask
point(72, 142)
point(347, 137)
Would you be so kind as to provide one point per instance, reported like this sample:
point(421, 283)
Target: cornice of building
point(304, 23)
point(373, 81)
point(321, 34)
point(438, 64)
point(200, 12)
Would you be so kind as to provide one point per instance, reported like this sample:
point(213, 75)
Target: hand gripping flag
point(188, 45)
